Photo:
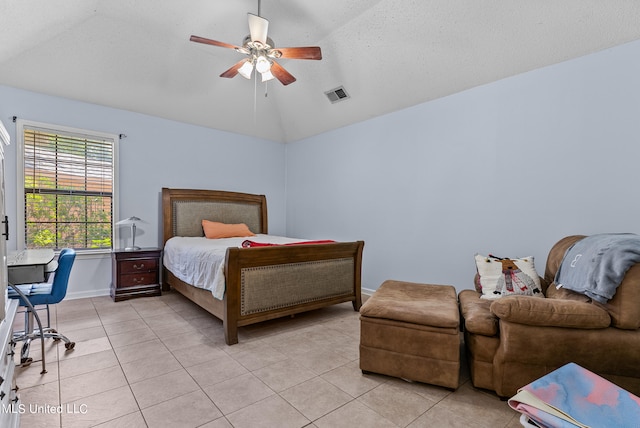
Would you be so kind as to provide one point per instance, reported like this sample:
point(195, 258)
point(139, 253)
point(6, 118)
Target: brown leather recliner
point(514, 340)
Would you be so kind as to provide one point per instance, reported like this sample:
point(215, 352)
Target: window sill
point(92, 254)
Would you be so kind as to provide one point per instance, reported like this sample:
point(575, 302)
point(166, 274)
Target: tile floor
point(162, 362)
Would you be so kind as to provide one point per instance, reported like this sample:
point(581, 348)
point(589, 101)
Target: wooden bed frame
point(265, 282)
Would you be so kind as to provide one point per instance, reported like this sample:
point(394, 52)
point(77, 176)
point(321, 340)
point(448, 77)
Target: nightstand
point(135, 273)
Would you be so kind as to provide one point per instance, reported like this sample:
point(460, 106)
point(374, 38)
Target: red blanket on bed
point(251, 244)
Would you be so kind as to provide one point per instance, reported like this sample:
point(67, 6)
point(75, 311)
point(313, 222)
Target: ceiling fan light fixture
point(262, 64)
point(267, 75)
point(246, 69)
point(261, 53)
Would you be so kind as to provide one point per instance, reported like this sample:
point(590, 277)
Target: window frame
point(63, 130)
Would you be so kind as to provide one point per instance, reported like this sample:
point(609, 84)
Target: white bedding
point(200, 261)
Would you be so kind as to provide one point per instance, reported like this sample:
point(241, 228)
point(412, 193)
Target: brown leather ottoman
point(411, 331)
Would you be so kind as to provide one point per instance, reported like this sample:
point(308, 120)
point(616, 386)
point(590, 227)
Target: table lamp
point(132, 221)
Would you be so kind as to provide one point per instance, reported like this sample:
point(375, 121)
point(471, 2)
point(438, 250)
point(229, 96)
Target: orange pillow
point(214, 230)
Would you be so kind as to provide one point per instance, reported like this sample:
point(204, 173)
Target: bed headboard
point(184, 209)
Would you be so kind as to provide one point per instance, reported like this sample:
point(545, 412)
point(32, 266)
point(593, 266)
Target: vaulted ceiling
point(388, 54)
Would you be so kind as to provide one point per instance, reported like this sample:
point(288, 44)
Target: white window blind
point(68, 189)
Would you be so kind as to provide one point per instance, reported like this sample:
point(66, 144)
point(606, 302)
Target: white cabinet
point(9, 401)
point(4, 225)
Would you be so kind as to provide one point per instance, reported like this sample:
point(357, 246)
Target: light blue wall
point(507, 168)
point(156, 153)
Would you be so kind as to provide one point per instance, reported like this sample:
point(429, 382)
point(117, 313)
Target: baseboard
point(98, 293)
point(86, 294)
point(367, 291)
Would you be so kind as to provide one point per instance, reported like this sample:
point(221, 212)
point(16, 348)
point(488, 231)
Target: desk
point(30, 266)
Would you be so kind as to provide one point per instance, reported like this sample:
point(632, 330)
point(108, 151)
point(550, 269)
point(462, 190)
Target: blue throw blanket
point(596, 265)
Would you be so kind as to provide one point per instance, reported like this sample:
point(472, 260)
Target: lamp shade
point(130, 220)
point(262, 64)
point(267, 75)
point(246, 69)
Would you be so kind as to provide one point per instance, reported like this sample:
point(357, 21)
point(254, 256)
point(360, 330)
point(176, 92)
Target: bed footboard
point(271, 282)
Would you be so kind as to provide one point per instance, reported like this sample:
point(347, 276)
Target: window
point(67, 178)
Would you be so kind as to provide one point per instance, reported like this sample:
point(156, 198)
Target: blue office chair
point(46, 293)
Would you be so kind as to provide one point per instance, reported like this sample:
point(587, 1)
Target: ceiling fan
point(262, 53)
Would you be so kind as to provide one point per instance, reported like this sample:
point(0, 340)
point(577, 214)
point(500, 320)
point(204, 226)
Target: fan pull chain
point(255, 96)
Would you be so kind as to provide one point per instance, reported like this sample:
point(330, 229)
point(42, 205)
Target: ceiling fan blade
point(258, 27)
point(233, 71)
point(198, 39)
point(309, 52)
point(281, 74)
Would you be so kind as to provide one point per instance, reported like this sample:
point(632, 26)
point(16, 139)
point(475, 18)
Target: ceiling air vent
point(337, 94)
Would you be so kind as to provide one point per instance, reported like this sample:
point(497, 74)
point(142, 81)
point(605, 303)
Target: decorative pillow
point(215, 230)
point(499, 277)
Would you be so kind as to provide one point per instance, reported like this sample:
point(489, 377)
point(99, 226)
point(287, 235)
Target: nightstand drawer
point(142, 278)
point(140, 265)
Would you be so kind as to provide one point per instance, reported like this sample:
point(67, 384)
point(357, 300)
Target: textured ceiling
point(388, 54)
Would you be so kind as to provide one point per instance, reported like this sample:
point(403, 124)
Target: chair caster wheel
point(56, 339)
point(26, 362)
point(70, 345)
